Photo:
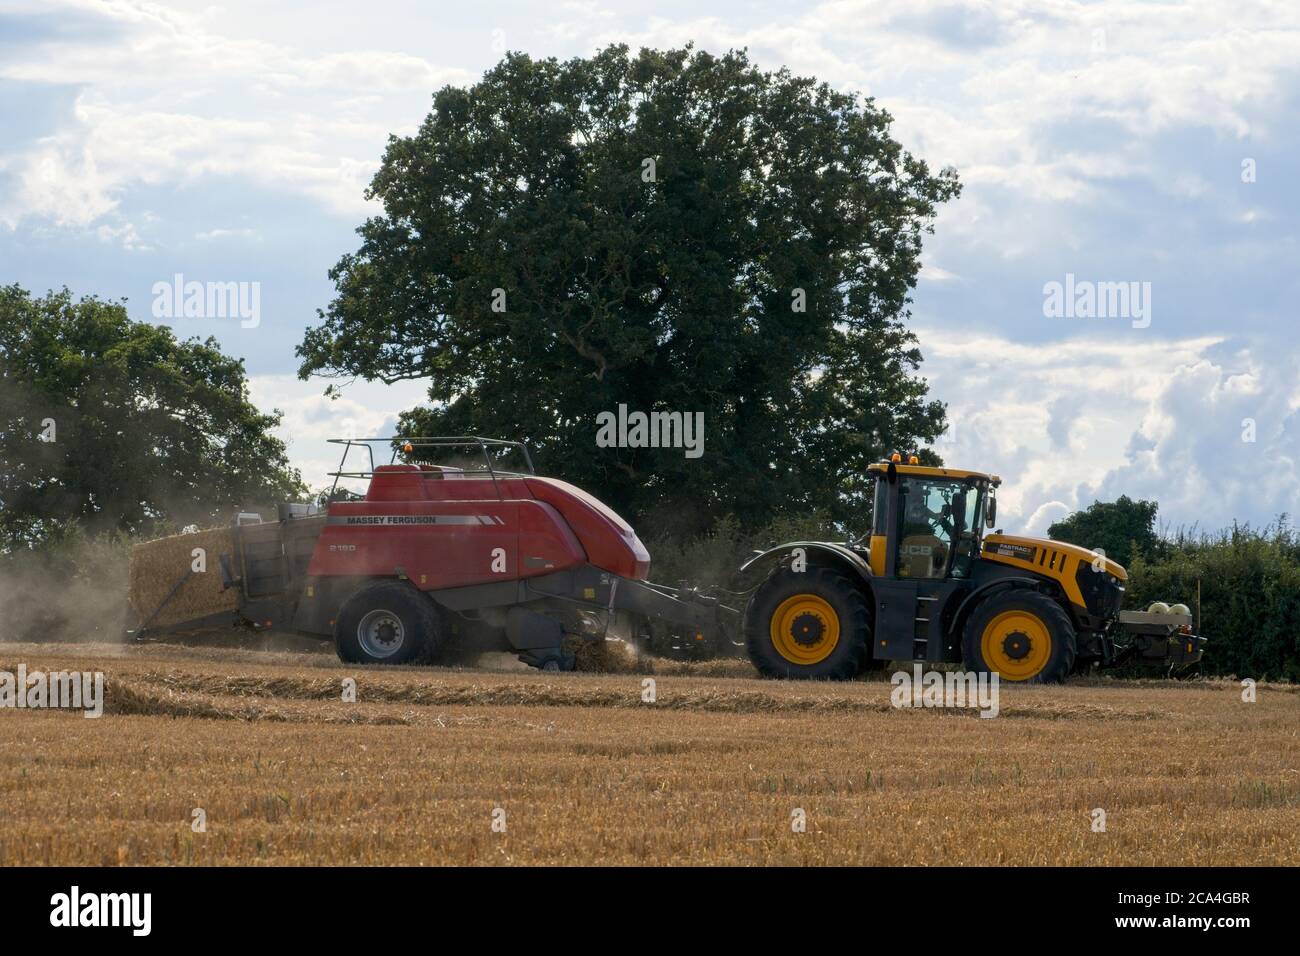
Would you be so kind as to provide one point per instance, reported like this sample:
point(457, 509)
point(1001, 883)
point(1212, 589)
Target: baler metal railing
point(410, 445)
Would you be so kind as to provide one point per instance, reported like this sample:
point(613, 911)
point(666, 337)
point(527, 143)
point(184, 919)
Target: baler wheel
point(387, 623)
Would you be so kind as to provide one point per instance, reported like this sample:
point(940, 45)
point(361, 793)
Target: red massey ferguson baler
point(432, 556)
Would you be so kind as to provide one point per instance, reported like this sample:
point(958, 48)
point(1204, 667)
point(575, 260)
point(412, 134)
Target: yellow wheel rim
point(1016, 644)
point(805, 629)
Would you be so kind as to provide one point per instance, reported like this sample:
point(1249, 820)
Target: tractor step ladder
point(921, 626)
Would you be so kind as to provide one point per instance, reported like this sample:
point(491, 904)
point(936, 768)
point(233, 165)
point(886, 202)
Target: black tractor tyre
point(828, 626)
point(388, 623)
point(1022, 608)
point(869, 662)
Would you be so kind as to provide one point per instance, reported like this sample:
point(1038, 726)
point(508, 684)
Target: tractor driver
point(925, 533)
point(919, 519)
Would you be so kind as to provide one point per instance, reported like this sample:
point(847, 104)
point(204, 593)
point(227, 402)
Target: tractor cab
point(927, 522)
point(927, 526)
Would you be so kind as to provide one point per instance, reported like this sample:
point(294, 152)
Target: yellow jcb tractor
point(928, 584)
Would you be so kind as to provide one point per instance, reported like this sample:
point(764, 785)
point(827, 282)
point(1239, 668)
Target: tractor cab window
point(927, 526)
point(971, 502)
point(938, 527)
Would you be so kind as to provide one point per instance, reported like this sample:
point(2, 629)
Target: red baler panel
point(411, 483)
point(609, 541)
point(396, 483)
point(437, 544)
point(546, 543)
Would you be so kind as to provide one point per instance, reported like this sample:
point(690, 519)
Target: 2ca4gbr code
point(1201, 898)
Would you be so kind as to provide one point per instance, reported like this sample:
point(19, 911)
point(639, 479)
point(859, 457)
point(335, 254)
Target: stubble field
point(443, 766)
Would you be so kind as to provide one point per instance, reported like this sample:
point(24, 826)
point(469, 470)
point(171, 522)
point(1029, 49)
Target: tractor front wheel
point(1023, 636)
point(387, 623)
point(809, 624)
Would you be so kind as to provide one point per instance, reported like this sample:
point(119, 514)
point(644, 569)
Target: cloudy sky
point(1111, 142)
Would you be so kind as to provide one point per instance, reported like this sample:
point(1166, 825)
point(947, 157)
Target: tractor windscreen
point(939, 526)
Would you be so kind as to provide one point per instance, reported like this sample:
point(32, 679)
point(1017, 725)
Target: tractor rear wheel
point(810, 624)
point(1023, 636)
point(387, 623)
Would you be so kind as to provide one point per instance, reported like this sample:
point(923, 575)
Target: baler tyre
point(808, 625)
point(387, 623)
point(1023, 635)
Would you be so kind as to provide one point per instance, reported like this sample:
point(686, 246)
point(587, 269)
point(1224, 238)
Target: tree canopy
point(1123, 528)
point(670, 231)
point(115, 425)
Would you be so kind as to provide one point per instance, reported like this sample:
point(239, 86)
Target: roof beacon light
point(913, 460)
point(895, 457)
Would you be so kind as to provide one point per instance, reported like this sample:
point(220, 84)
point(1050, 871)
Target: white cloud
point(1047, 513)
point(124, 234)
point(1087, 419)
point(982, 85)
point(364, 410)
point(932, 273)
point(213, 235)
point(59, 181)
point(1193, 450)
point(171, 99)
point(988, 86)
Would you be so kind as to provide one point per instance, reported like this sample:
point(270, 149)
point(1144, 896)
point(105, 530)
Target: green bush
point(1250, 595)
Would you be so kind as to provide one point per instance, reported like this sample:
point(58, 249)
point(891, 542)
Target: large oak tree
point(672, 231)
